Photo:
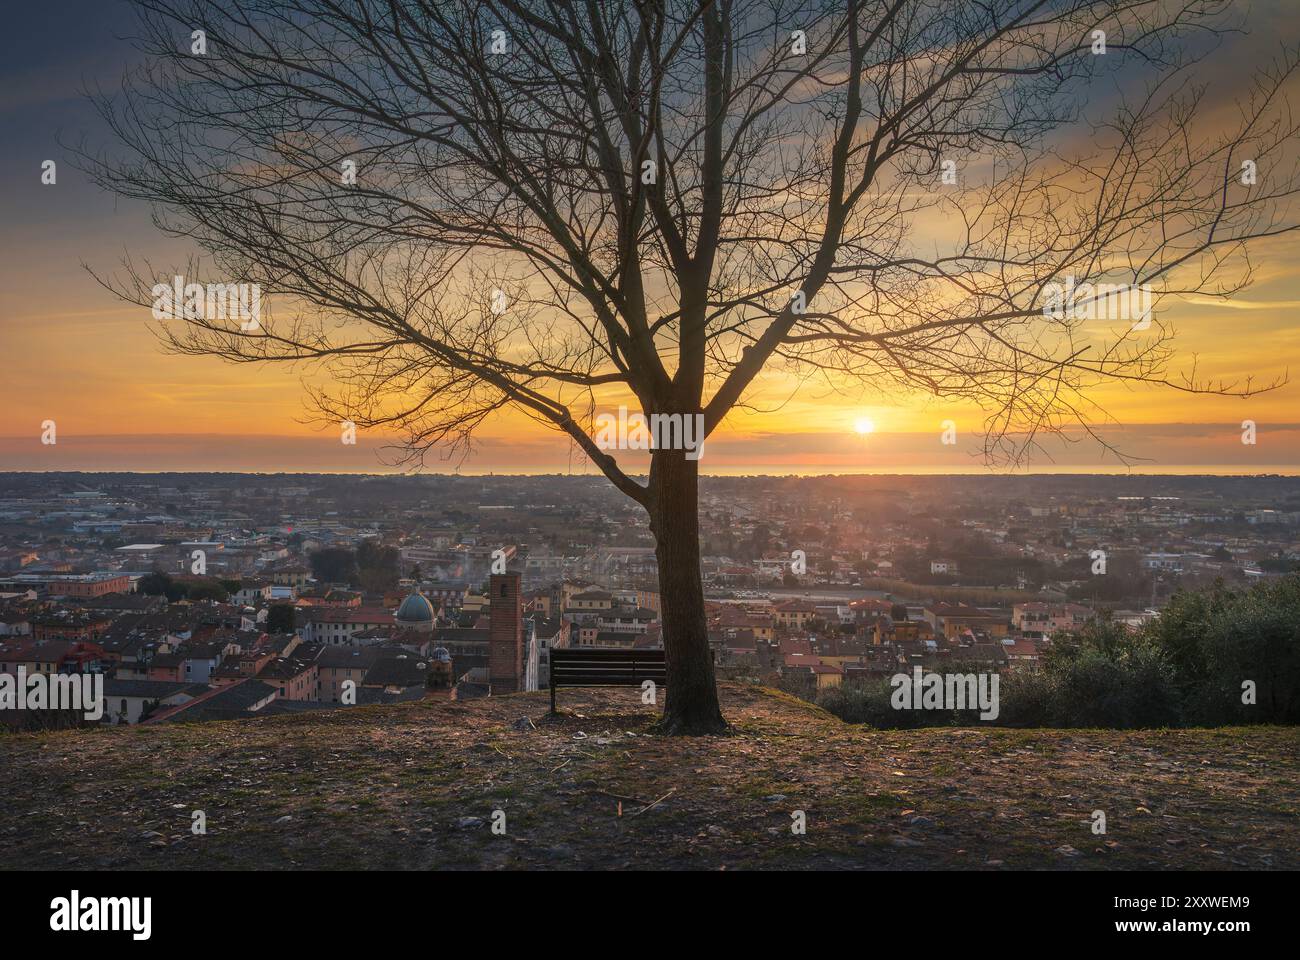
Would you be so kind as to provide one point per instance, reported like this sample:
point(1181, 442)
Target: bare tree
point(672, 195)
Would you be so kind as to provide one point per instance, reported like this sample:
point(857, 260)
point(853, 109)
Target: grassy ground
point(416, 786)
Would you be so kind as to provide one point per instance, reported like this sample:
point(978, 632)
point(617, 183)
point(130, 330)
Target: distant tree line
point(371, 567)
point(979, 564)
point(159, 584)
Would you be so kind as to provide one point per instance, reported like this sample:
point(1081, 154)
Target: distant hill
point(415, 786)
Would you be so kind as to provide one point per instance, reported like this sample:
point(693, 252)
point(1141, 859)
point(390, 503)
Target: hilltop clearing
point(415, 786)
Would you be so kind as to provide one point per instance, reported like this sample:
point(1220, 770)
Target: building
point(416, 612)
point(950, 620)
point(398, 672)
point(450, 594)
point(337, 665)
point(252, 592)
point(167, 667)
point(15, 623)
point(200, 660)
point(620, 620)
point(130, 701)
point(292, 679)
point(70, 625)
point(335, 626)
point(1021, 654)
point(506, 640)
point(547, 634)
point(233, 702)
point(1048, 618)
point(589, 604)
point(34, 656)
point(794, 614)
point(288, 573)
point(70, 585)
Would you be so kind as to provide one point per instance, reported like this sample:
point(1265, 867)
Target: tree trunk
point(691, 700)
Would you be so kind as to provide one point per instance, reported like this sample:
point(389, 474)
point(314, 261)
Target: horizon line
point(1282, 470)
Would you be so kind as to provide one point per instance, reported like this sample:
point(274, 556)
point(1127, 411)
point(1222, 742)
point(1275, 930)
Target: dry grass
point(415, 787)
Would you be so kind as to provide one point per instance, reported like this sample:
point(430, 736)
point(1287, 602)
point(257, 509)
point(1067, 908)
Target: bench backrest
point(582, 667)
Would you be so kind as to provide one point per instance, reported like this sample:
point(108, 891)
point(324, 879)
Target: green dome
point(415, 609)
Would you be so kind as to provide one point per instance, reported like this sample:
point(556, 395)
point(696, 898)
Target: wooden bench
point(585, 667)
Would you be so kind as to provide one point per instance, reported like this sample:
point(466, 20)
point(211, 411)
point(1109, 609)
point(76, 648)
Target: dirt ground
point(495, 784)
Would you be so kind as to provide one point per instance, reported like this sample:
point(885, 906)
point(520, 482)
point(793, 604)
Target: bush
point(1092, 689)
point(869, 704)
point(1220, 639)
point(1027, 698)
point(1186, 668)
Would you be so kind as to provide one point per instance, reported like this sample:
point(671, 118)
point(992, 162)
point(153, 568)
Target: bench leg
point(552, 697)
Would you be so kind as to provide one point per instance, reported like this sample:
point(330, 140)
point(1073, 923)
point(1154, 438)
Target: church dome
point(415, 609)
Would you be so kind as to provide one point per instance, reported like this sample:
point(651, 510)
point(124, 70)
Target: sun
point(864, 425)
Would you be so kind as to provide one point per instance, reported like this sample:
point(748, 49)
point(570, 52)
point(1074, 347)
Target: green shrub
point(869, 703)
point(1186, 668)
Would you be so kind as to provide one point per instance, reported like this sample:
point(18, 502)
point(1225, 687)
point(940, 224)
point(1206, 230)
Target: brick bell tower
point(505, 634)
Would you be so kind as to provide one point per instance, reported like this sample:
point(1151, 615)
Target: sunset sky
point(74, 354)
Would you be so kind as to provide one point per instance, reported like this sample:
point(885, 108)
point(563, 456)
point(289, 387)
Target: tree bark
point(691, 700)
